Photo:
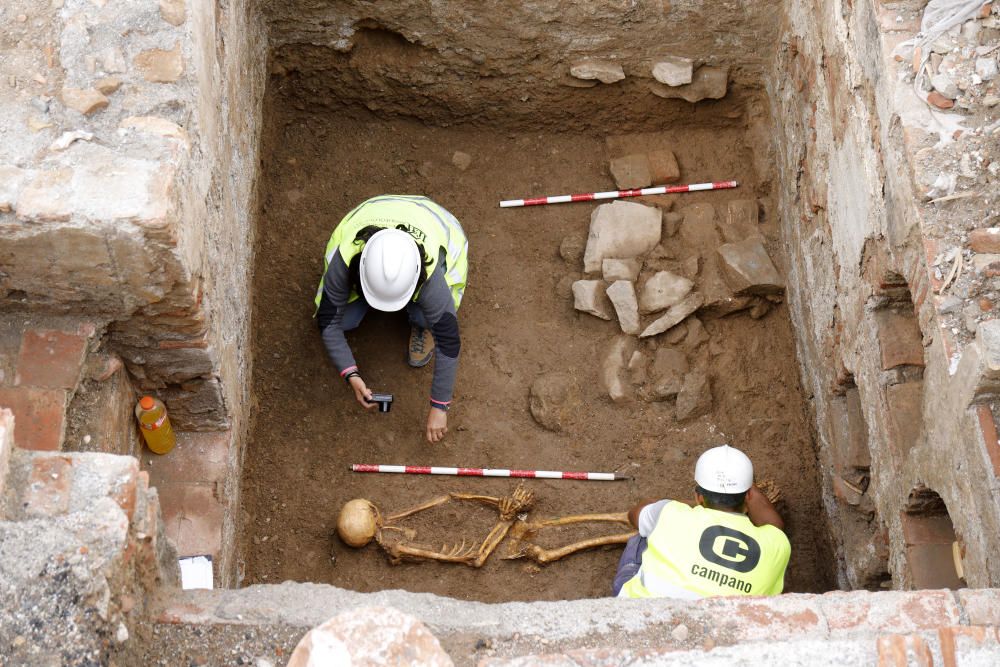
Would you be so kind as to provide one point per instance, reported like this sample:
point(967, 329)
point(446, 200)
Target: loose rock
point(108, 84)
point(622, 295)
point(461, 160)
point(748, 268)
point(603, 71)
point(741, 220)
point(985, 240)
point(663, 290)
point(667, 373)
point(943, 84)
point(620, 269)
point(695, 396)
point(698, 228)
point(680, 633)
point(631, 171)
point(637, 367)
point(172, 11)
point(614, 369)
point(554, 399)
point(621, 230)
point(673, 70)
point(671, 223)
point(67, 138)
point(589, 296)
point(707, 83)
point(940, 101)
point(663, 166)
point(674, 315)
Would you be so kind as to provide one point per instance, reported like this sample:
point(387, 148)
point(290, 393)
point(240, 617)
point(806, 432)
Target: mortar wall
point(853, 224)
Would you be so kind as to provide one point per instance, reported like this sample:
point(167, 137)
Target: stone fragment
point(939, 100)
point(160, 66)
point(698, 228)
point(986, 68)
point(370, 636)
point(589, 296)
point(67, 138)
point(741, 220)
point(85, 101)
point(554, 399)
point(571, 248)
point(620, 269)
point(663, 290)
point(680, 633)
point(985, 240)
point(621, 230)
point(667, 373)
point(108, 84)
point(943, 84)
point(695, 397)
point(674, 315)
point(631, 171)
point(949, 304)
point(155, 125)
point(614, 370)
point(760, 308)
point(601, 70)
point(663, 166)
point(622, 295)
point(637, 367)
point(707, 83)
point(671, 223)
point(461, 160)
point(45, 197)
point(673, 70)
point(696, 333)
point(987, 264)
point(748, 268)
point(173, 11)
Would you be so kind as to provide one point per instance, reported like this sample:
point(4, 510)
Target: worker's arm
point(761, 511)
point(329, 317)
point(438, 307)
point(633, 514)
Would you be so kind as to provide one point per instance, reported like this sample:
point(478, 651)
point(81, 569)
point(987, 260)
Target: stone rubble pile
point(658, 274)
point(670, 77)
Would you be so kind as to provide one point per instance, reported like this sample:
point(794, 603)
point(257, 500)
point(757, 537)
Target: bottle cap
point(146, 402)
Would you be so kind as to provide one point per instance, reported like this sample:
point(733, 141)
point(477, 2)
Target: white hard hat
point(724, 469)
point(390, 265)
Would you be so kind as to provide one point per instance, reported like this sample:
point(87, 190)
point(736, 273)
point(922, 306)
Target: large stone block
point(601, 70)
point(673, 70)
point(748, 268)
point(674, 315)
point(622, 295)
point(631, 171)
point(589, 296)
point(554, 400)
point(663, 290)
point(621, 230)
point(614, 370)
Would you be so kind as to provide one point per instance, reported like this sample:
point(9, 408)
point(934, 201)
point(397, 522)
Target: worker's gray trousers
point(356, 310)
point(628, 565)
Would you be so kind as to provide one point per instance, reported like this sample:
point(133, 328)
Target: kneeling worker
point(394, 252)
point(730, 542)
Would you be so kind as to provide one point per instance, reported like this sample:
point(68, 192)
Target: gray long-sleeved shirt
point(436, 304)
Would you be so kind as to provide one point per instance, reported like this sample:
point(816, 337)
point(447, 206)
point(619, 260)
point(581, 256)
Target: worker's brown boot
point(421, 347)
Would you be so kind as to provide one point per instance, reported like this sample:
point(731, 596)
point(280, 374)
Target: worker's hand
point(437, 425)
point(362, 393)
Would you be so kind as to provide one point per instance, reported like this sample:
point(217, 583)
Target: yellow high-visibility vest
point(428, 223)
point(697, 552)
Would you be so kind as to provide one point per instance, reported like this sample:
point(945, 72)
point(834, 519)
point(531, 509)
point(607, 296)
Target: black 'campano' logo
point(729, 548)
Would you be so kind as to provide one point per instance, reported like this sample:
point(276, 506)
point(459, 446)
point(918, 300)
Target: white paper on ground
point(196, 572)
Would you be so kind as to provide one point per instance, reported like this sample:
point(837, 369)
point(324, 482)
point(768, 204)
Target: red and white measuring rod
point(490, 472)
point(617, 194)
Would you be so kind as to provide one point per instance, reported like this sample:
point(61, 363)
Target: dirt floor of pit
point(517, 321)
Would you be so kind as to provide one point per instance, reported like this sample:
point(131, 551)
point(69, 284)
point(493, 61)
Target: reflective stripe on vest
point(698, 552)
point(430, 225)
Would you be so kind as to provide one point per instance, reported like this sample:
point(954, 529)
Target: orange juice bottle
point(155, 425)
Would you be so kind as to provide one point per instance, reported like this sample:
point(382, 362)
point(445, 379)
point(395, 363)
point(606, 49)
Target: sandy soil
point(517, 322)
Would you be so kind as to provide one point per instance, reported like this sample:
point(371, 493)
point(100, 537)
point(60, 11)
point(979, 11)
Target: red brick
point(988, 428)
point(49, 486)
point(985, 240)
point(939, 100)
point(51, 359)
point(899, 339)
point(850, 432)
point(914, 611)
point(904, 651)
point(905, 408)
point(982, 606)
point(923, 529)
point(955, 638)
point(38, 416)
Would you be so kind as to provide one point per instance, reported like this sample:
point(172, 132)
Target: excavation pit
point(518, 324)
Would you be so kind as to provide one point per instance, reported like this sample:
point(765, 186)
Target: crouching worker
point(391, 253)
point(730, 542)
